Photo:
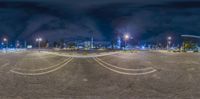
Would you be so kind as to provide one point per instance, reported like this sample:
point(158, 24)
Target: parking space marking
point(41, 73)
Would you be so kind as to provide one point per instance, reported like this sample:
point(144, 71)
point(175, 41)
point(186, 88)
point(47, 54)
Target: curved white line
point(148, 68)
point(79, 56)
point(4, 65)
point(40, 57)
point(125, 73)
point(43, 68)
point(42, 73)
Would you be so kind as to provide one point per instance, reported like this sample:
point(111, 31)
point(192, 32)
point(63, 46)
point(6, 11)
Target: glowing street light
point(39, 41)
point(6, 43)
point(126, 38)
point(169, 42)
point(17, 45)
point(5, 39)
point(169, 38)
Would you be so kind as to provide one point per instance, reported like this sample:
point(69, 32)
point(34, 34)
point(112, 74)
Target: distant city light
point(143, 47)
point(119, 42)
point(29, 46)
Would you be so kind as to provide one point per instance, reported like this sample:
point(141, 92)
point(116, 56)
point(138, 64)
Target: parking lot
point(130, 75)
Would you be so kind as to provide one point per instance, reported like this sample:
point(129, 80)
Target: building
point(190, 42)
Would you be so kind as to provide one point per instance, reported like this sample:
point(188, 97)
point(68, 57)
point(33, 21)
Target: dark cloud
point(36, 19)
point(104, 19)
point(146, 21)
point(177, 5)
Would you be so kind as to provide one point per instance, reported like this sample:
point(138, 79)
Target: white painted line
point(38, 57)
point(125, 73)
point(42, 73)
point(144, 69)
point(4, 65)
point(82, 56)
point(43, 68)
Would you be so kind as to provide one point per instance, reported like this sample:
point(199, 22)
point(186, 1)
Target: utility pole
point(25, 44)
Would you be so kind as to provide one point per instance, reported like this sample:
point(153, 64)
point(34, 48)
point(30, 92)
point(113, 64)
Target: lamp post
point(169, 42)
point(39, 41)
point(126, 38)
point(17, 45)
point(6, 43)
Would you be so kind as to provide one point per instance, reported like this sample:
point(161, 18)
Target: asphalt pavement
point(139, 75)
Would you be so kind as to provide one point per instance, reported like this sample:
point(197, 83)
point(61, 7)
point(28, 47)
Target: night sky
point(144, 20)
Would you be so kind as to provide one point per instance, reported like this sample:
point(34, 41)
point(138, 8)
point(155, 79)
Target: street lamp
point(169, 38)
point(17, 45)
point(126, 38)
point(6, 43)
point(169, 42)
point(5, 39)
point(39, 41)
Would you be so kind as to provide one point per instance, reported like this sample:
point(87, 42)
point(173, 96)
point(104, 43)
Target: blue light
point(143, 47)
point(118, 42)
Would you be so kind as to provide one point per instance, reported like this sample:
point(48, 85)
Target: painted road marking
point(148, 68)
point(125, 73)
point(41, 73)
point(81, 56)
point(43, 68)
point(4, 65)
